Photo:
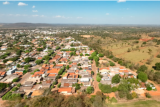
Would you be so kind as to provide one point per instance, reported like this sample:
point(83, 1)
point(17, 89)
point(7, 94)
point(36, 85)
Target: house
point(70, 76)
point(58, 66)
point(68, 81)
point(55, 59)
point(63, 60)
point(66, 90)
point(36, 77)
point(2, 74)
point(104, 70)
point(11, 70)
point(53, 71)
point(4, 48)
point(47, 83)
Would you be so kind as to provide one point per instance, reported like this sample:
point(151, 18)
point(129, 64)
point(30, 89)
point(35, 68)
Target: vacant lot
point(148, 103)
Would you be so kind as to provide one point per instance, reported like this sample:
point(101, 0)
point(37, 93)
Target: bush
point(149, 88)
point(121, 94)
point(113, 100)
point(111, 63)
point(89, 90)
point(148, 95)
point(129, 96)
point(105, 88)
point(134, 95)
point(157, 66)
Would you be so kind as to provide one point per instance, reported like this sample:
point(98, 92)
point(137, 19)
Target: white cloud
point(58, 16)
point(22, 4)
point(79, 17)
point(107, 13)
point(33, 6)
point(34, 10)
point(121, 1)
point(5, 3)
point(35, 15)
point(17, 15)
point(42, 16)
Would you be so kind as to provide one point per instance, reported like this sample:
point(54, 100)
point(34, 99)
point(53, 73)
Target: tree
point(76, 85)
point(15, 80)
point(19, 52)
point(67, 67)
point(114, 89)
point(47, 57)
point(39, 49)
point(98, 78)
point(89, 90)
point(116, 79)
point(157, 77)
point(59, 85)
point(38, 61)
point(92, 72)
point(142, 68)
point(142, 76)
point(101, 55)
point(28, 59)
point(81, 54)
point(157, 66)
point(111, 63)
point(90, 58)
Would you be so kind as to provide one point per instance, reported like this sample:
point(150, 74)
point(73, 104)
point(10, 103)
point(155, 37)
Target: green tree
point(142, 76)
point(89, 90)
point(116, 79)
point(157, 66)
point(38, 61)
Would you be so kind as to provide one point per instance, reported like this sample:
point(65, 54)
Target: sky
point(81, 12)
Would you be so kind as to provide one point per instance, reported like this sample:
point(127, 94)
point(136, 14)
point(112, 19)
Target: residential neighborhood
point(65, 66)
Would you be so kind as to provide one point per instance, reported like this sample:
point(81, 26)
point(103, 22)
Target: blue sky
point(81, 12)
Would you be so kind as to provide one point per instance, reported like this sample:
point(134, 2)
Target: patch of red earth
point(154, 93)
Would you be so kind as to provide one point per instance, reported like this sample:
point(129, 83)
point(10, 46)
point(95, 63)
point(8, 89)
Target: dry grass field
point(148, 103)
point(139, 54)
point(87, 36)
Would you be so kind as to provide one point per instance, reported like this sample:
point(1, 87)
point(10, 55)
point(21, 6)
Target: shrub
point(134, 95)
point(113, 100)
point(121, 94)
point(148, 95)
point(111, 63)
point(129, 96)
